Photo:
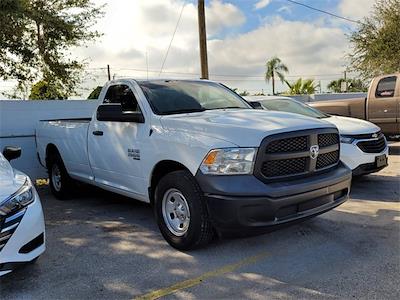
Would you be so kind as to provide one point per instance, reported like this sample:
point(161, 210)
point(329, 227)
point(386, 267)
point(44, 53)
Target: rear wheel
point(60, 182)
point(181, 212)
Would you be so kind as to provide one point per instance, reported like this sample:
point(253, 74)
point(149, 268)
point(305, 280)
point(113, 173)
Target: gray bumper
point(245, 204)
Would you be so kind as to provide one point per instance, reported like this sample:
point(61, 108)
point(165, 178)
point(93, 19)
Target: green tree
point(275, 67)
point(95, 93)
point(36, 37)
point(376, 42)
point(353, 85)
point(45, 90)
point(244, 93)
point(302, 87)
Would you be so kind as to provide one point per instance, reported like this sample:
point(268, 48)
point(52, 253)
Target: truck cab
point(381, 106)
point(383, 103)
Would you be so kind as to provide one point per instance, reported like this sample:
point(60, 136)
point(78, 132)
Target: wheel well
point(160, 170)
point(51, 149)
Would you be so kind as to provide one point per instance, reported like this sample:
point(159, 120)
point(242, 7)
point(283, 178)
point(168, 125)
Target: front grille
point(328, 139)
point(373, 146)
point(327, 159)
point(288, 145)
point(289, 154)
point(284, 167)
point(8, 225)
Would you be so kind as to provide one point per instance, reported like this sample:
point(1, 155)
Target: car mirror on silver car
point(11, 152)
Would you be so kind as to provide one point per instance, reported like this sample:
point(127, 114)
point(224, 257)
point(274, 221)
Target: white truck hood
point(352, 126)
point(10, 179)
point(242, 127)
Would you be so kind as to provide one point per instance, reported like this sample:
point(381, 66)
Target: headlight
point(229, 161)
point(22, 198)
point(346, 139)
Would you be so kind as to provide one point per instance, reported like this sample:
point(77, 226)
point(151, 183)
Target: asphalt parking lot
point(101, 245)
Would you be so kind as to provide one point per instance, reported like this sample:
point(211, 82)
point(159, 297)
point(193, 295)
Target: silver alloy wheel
point(56, 177)
point(176, 213)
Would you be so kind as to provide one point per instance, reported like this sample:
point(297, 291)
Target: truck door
point(115, 143)
point(383, 104)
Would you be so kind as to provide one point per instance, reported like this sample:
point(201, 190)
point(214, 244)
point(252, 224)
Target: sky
point(241, 35)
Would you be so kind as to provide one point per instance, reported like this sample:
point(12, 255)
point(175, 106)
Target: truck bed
point(69, 136)
point(84, 120)
point(352, 107)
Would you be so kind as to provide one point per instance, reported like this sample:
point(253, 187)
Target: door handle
point(97, 132)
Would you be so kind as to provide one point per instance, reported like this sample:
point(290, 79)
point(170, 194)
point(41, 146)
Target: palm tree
point(302, 87)
point(275, 67)
point(353, 85)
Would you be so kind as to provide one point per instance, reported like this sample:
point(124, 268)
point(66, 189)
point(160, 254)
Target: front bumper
point(245, 205)
point(353, 157)
point(27, 242)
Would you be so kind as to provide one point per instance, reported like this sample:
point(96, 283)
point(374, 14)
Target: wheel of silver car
point(176, 212)
point(56, 177)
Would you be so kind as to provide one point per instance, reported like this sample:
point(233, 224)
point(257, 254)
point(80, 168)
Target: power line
point(172, 38)
point(227, 75)
point(323, 11)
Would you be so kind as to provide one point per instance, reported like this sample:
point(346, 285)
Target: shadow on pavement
point(102, 245)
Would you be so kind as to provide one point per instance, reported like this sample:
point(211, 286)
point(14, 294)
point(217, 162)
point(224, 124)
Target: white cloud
point(261, 4)
point(220, 15)
point(307, 49)
point(133, 27)
point(356, 9)
point(285, 9)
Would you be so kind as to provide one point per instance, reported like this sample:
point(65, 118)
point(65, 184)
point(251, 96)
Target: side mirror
point(256, 105)
point(114, 113)
point(10, 152)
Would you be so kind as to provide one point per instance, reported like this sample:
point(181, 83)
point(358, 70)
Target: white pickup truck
point(201, 155)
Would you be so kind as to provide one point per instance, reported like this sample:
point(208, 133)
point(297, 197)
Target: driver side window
point(122, 94)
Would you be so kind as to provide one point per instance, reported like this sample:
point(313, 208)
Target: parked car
point(201, 155)
point(22, 231)
point(363, 148)
point(381, 106)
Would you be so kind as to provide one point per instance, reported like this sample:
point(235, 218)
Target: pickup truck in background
point(381, 106)
point(201, 155)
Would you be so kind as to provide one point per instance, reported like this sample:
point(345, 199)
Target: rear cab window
point(386, 87)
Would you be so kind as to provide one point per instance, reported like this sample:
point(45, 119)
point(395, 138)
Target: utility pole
point(108, 72)
point(202, 39)
point(345, 80)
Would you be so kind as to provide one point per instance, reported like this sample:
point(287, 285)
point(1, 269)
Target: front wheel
point(181, 212)
point(60, 182)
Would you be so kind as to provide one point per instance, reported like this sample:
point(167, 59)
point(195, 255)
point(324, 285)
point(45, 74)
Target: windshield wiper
point(182, 111)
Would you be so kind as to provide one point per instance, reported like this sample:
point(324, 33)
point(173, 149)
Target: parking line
point(197, 280)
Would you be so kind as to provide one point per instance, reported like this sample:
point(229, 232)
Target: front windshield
point(174, 96)
point(292, 106)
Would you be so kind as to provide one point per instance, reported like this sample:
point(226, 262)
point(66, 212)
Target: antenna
point(147, 64)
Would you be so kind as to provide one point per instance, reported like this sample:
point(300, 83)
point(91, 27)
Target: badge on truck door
point(134, 153)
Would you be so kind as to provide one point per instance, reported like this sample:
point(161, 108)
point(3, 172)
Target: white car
point(22, 231)
point(363, 147)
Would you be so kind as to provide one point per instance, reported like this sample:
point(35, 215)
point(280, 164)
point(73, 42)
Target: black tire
point(62, 189)
point(33, 261)
point(200, 231)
